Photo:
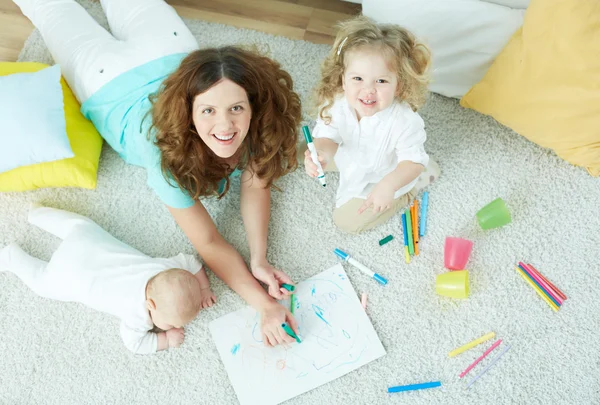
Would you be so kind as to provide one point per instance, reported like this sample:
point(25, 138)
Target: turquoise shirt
point(120, 112)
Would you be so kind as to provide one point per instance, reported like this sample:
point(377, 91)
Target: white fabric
point(522, 4)
point(92, 267)
point(142, 30)
point(371, 148)
point(464, 36)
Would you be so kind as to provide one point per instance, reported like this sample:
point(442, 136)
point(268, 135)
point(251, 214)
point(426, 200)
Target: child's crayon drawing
point(337, 338)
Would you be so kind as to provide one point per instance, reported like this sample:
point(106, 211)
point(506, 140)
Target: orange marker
point(413, 217)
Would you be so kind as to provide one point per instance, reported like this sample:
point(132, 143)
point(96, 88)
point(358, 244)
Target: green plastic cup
point(494, 215)
point(454, 284)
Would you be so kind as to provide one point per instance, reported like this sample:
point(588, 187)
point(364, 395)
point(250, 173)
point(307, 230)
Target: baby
point(92, 267)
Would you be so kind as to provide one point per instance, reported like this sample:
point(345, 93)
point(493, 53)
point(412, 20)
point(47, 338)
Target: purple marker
point(346, 257)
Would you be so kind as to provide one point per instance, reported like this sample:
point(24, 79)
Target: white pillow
point(464, 36)
point(32, 119)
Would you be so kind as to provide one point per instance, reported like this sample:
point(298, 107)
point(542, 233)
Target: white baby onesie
point(92, 267)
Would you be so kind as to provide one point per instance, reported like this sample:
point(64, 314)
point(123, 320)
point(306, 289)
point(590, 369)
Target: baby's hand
point(310, 167)
point(175, 337)
point(380, 199)
point(207, 298)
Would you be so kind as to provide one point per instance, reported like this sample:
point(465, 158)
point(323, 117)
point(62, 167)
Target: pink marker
point(556, 290)
point(488, 351)
point(541, 282)
point(363, 300)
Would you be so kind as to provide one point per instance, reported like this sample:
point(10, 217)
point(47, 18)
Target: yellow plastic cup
point(454, 284)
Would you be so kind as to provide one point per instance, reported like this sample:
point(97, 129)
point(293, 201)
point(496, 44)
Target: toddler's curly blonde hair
point(408, 57)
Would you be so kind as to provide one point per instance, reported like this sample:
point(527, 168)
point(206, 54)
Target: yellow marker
point(537, 289)
point(471, 345)
point(406, 254)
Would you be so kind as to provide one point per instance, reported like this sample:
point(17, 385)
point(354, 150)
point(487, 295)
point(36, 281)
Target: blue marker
point(404, 229)
point(346, 257)
point(313, 155)
point(402, 388)
point(424, 205)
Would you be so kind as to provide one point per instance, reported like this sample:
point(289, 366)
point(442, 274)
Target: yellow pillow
point(86, 143)
point(545, 84)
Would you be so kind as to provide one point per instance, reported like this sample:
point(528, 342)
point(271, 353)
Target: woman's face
point(222, 117)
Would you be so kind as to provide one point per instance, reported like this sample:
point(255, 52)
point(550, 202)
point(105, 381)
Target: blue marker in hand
point(313, 155)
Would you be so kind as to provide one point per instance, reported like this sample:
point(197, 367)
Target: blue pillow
point(32, 119)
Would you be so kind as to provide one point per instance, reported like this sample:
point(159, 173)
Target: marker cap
point(341, 254)
point(306, 132)
point(380, 279)
point(288, 287)
point(290, 332)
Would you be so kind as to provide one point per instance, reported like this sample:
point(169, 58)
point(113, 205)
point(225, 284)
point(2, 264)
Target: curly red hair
point(269, 148)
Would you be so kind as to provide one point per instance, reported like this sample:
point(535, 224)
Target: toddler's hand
point(380, 199)
point(207, 298)
point(310, 167)
point(175, 337)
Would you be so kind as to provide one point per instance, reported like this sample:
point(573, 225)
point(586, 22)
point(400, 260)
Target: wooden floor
point(311, 20)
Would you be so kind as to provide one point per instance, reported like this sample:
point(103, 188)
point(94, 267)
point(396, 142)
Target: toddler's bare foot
point(429, 175)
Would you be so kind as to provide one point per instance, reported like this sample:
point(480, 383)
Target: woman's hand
point(272, 277)
point(271, 318)
point(380, 199)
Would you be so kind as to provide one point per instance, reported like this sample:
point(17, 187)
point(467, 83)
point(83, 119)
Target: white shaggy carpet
point(64, 353)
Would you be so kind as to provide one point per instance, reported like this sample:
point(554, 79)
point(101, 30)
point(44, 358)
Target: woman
point(192, 118)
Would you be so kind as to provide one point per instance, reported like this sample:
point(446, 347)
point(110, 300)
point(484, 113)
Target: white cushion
point(32, 121)
point(464, 36)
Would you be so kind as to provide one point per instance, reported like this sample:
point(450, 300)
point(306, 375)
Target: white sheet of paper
point(337, 338)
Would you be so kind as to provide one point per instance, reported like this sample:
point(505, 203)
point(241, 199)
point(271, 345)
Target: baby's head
point(173, 298)
point(373, 65)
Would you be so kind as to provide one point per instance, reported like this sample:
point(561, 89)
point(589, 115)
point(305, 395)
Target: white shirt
point(92, 267)
point(371, 148)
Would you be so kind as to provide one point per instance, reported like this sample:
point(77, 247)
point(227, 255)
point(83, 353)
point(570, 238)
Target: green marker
point(292, 303)
point(288, 287)
point(290, 332)
point(313, 155)
point(411, 246)
point(385, 240)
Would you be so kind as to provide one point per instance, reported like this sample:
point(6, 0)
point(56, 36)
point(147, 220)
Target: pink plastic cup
point(456, 253)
